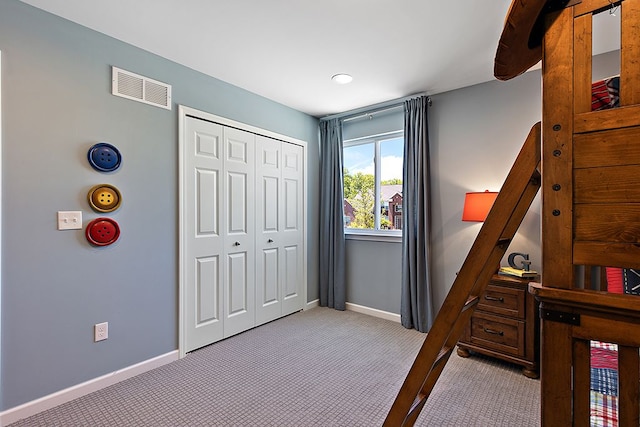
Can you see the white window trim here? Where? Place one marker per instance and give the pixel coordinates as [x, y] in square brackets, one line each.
[371, 234]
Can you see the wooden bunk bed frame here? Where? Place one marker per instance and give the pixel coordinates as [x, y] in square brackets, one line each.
[590, 201]
[588, 166]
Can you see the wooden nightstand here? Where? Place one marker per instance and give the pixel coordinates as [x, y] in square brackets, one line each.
[505, 325]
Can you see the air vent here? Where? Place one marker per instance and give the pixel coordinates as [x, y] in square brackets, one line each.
[139, 88]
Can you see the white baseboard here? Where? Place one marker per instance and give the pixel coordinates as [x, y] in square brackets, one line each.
[373, 312]
[361, 309]
[47, 402]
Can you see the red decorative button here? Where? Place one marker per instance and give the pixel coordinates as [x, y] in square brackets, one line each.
[102, 231]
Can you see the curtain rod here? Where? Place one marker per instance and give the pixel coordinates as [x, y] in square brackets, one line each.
[372, 109]
[371, 113]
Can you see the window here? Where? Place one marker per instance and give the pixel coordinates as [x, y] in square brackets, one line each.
[373, 184]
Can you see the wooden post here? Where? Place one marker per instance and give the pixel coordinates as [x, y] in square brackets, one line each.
[557, 152]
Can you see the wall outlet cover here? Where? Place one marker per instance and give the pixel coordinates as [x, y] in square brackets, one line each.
[100, 331]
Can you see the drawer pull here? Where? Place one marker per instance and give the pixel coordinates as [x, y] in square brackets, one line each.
[493, 332]
[490, 298]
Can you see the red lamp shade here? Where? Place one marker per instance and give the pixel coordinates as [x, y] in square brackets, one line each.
[477, 205]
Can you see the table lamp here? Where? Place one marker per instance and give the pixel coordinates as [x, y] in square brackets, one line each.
[477, 205]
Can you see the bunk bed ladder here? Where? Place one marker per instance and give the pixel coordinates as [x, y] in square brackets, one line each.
[511, 205]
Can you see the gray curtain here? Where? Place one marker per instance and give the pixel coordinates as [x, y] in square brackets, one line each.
[332, 245]
[416, 310]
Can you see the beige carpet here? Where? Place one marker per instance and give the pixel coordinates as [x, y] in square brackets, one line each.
[316, 368]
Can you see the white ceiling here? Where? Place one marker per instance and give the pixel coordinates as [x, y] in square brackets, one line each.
[287, 50]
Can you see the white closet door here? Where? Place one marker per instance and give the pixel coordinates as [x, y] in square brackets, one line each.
[239, 250]
[292, 226]
[242, 231]
[268, 226]
[203, 241]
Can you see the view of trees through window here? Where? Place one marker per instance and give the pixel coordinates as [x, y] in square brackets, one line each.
[373, 183]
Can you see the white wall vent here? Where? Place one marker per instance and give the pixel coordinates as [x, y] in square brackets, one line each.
[139, 88]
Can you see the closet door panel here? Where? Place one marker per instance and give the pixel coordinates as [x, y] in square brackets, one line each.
[270, 276]
[292, 272]
[269, 204]
[237, 206]
[237, 269]
[269, 211]
[239, 295]
[292, 235]
[203, 248]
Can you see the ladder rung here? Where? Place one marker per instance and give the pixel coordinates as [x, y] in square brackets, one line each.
[471, 302]
[417, 405]
[443, 355]
[503, 241]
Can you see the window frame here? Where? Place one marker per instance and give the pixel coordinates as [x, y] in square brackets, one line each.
[371, 233]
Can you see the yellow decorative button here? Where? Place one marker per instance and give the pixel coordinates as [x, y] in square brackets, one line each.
[104, 198]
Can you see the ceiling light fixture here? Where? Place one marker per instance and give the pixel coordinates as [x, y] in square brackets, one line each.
[342, 78]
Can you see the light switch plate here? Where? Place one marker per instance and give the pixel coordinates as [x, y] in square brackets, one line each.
[69, 220]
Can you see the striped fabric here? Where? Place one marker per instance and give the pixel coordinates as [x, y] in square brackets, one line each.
[604, 384]
[604, 381]
[604, 410]
[604, 355]
[605, 94]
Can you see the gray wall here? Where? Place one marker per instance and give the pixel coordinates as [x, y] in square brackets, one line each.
[56, 103]
[373, 274]
[475, 135]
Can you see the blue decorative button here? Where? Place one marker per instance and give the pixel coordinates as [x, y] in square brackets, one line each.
[104, 157]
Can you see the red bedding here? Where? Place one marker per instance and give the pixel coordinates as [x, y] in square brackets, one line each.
[605, 94]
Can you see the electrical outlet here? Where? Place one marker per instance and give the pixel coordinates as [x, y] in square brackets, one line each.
[69, 220]
[100, 331]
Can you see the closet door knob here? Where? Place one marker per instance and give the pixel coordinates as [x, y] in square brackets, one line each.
[236, 244]
[270, 241]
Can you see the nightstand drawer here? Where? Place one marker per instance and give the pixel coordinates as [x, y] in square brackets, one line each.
[505, 324]
[498, 333]
[503, 300]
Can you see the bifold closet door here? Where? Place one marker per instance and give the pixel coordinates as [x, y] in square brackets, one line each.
[279, 230]
[239, 231]
[203, 242]
[219, 224]
[292, 239]
[269, 209]
[242, 230]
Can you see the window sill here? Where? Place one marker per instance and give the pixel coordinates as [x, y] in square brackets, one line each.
[374, 236]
